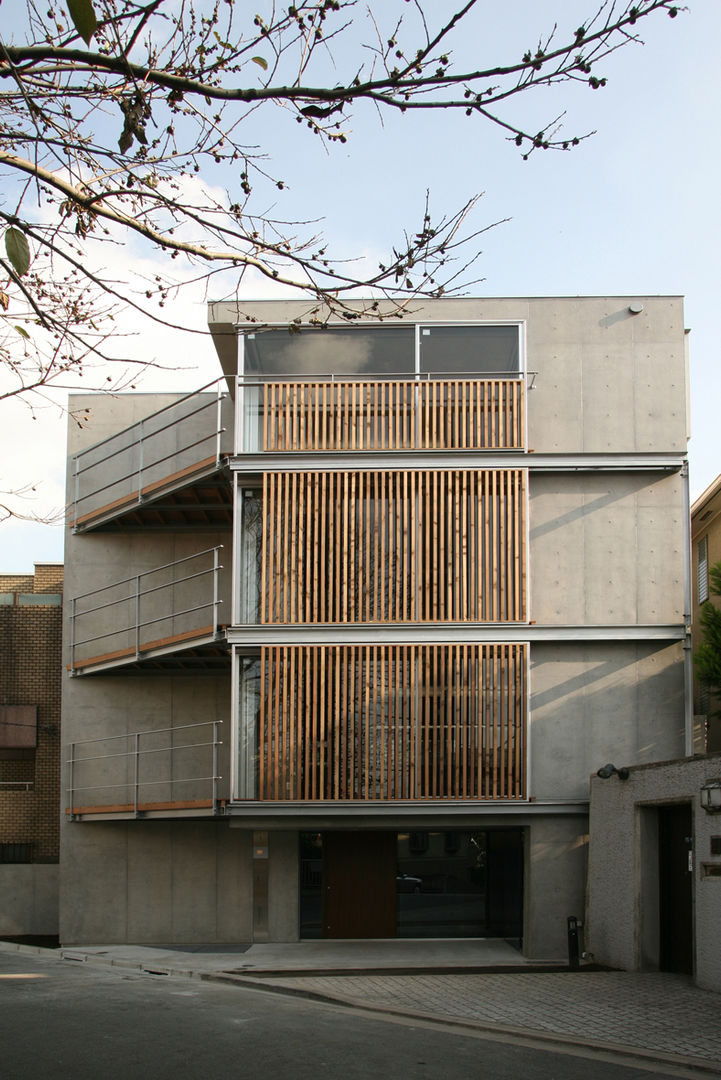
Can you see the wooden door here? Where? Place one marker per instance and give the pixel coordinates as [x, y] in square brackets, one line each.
[359, 885]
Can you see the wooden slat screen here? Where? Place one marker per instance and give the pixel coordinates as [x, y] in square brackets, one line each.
[442, 414]
[394, 546]
[424, 722]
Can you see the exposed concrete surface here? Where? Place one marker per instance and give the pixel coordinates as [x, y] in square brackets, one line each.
[29, 898]
[623, 922]
[654, 1017]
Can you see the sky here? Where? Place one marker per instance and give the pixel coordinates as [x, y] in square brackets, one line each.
[632, 211]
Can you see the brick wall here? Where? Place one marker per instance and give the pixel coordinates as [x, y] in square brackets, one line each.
[30, 674]
[12, 583]
[48, 578]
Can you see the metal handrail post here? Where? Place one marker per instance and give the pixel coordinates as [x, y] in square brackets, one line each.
[137, 771]
[72, 634]
[76, 477]
[218, 422]
[216, 602]
[71, 785]
[140, 463]
[137, 616]
[215, 765]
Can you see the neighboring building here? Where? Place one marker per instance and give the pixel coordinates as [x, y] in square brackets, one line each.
[706, 544]
[30, 687]
[451, 586]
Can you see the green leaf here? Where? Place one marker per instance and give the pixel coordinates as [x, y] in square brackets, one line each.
[23, 332]
[260, 62]
[83, 15]
[18, 251]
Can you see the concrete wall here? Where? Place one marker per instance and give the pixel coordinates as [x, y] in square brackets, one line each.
[554, 884]
[607, 380]
[28, 899]
[156, 881]
[622, 899]
[606, 547]
[601, 701]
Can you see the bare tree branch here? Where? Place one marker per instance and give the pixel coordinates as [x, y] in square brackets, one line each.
[128, 126]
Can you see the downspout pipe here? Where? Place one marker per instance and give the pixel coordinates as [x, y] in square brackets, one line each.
[687, 616]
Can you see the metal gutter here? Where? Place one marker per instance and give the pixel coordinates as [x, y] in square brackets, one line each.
[437, 633]
[344, 461]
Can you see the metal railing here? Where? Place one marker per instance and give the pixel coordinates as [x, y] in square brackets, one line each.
[138, 771]
[445, 411]
[17, 785]
[117, 627]
[128, 467]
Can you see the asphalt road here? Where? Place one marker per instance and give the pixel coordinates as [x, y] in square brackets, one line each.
[61, 1019]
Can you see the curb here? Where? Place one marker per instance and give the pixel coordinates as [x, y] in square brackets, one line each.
[621, 1053]
[259, 981]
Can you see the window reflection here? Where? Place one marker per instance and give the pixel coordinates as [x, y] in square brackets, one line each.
[372, 350]
[469, 350]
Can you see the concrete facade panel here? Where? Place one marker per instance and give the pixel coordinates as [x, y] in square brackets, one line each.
[555, 877]
[605, 548]
[29, 899]
[283, 886]
[594, 703]
[234, 880]
[93, 884]
[150, 882]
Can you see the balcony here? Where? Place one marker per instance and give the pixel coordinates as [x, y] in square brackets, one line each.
[173, 771]
[166, 618]
[163, 471]
[413, 413]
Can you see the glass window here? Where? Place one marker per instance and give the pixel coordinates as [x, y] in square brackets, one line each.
[372, 350]
[248, 714]
[469, 350]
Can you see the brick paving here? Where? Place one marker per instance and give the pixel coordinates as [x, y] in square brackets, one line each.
[660, 1013]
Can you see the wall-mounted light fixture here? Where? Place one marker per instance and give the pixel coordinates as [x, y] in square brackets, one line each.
[609, 770]
[711, 796]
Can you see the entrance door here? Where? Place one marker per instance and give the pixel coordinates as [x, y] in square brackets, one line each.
[504, 904]
[359, 885]
[675, 888]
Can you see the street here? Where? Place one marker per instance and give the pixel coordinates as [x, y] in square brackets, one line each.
[62, 1019]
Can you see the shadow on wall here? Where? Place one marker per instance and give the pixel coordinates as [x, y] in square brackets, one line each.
[593, 704]
[579, 486]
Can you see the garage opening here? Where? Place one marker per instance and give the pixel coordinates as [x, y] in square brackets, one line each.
[424, 884]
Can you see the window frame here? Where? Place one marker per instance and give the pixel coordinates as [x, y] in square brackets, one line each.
[520, 324]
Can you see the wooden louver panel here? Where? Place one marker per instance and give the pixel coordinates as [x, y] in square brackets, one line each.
[442, 414]
[394, 546]
[396, 722]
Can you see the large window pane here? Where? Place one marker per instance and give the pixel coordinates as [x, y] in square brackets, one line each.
[469, 350]
[372, 350]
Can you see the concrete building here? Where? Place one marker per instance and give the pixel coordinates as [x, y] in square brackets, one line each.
[346, 640]
[654, 880]
[30, 686]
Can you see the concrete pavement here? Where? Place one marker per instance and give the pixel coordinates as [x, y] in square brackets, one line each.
[483, 985]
